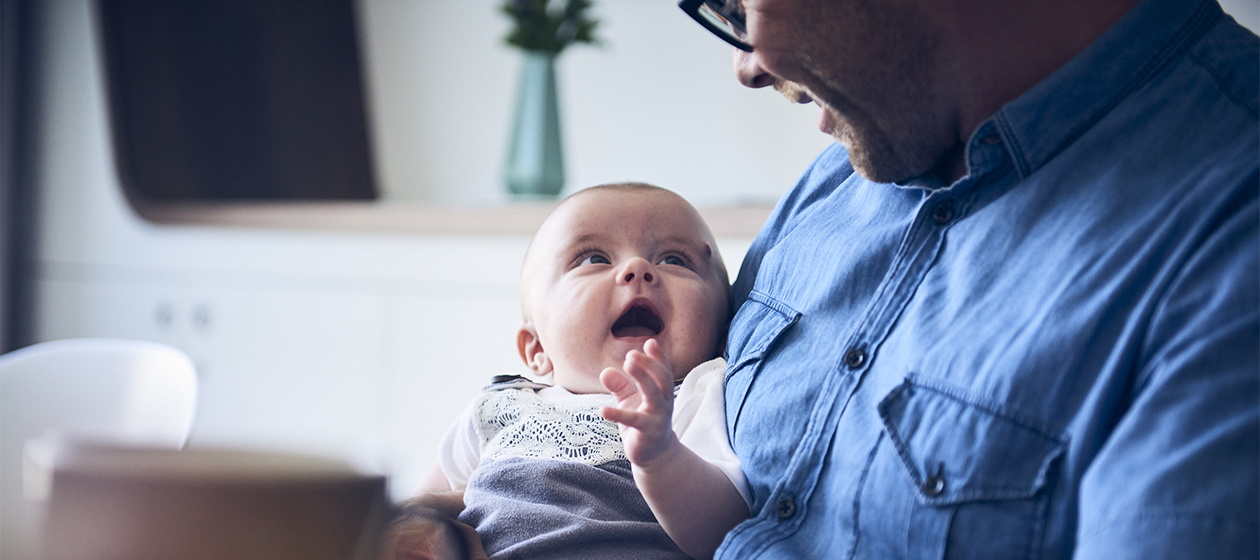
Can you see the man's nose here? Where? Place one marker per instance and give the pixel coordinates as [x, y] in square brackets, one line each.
[749, 71]
[637, 268]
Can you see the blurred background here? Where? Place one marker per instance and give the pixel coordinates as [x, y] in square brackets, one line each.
[358, 330]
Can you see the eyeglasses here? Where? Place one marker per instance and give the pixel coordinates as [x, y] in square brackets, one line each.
[722, 17]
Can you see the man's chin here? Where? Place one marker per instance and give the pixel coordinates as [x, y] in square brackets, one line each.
[874, 160]
[859, 151]
[879, 165]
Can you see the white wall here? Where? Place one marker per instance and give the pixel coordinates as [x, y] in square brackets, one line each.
[1247, 12]
[657, 102]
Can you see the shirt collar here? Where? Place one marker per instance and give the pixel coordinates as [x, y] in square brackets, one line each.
[1045, 119]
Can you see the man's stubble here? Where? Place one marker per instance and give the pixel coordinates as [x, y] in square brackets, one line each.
[879, 89]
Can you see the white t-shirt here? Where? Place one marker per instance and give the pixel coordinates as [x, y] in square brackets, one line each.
[699, 420]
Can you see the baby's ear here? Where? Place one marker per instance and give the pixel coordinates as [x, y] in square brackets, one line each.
[531, 350]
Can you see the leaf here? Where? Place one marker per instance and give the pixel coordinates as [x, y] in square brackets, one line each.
[539, 29]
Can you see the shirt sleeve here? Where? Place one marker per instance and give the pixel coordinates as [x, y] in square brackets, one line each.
[700, 421]
[460, 450]
[1177, 477]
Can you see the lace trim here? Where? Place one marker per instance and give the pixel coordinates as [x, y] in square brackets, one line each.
[519, 423]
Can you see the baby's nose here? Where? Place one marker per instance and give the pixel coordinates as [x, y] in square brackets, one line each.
[637, 268]
[646, 276]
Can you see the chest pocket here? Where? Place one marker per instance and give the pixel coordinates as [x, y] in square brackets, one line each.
[955, 451]
[977, 470]
[756, 327]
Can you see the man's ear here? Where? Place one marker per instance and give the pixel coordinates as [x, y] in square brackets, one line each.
[531, 350]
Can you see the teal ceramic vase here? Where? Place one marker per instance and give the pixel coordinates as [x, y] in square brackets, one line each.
[535, 164]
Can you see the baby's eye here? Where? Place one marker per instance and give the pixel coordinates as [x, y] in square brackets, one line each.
[674, 260]
[595, 259]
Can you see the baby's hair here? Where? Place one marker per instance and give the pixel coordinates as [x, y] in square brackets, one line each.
[633, 186]
[628, 186]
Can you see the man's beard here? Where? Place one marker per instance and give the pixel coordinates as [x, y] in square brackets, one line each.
[880, 98]
[875, 154]
[886, 157]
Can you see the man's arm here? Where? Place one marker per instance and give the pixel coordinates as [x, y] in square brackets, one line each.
[1179, 475]
[693, 499]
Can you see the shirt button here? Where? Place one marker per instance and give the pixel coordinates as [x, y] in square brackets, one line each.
[785, 508]
[934, 486]
[991, 140]
[854, 358]
[943, 212]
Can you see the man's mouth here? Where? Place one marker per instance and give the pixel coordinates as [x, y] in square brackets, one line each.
[638, 321]
[794, 92]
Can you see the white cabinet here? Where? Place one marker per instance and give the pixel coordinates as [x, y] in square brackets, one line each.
[365, 368]
[290, 369]
[443, 348]
[280, 369]
[69, 308]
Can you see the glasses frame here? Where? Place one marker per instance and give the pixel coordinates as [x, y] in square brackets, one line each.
[692, 7]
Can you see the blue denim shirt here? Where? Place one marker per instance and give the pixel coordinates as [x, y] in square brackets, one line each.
[1055, 357]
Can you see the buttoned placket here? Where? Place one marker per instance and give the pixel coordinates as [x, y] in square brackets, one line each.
[939, 209]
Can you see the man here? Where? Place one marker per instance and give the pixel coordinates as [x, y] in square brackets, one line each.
[1015, 312]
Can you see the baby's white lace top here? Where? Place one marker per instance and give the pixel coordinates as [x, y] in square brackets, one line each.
[521, 423]
[552, 423]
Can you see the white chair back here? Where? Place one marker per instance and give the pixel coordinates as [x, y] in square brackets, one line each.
[112, 391]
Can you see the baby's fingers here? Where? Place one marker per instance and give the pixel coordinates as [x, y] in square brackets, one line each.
[662, 371]
[653, 377]
[617, 384]
[627, 418]
[648, 386]
[653, 349]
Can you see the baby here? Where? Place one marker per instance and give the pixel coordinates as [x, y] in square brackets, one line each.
[623, 293]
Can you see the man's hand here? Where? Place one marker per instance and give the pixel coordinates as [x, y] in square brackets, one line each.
[423, 529]
[644, 390]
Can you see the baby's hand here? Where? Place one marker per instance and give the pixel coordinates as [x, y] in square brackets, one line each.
[645, 403]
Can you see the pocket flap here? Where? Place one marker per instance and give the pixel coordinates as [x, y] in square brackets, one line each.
[756, 326]
[956, 451]
[760, 321]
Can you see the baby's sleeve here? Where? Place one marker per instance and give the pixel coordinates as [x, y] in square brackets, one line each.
[700, 421]
[460, 450]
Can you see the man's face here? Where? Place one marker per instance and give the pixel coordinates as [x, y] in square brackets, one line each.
[611, 269]
[870, 65]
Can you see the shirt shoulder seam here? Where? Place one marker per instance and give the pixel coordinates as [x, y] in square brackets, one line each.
[1221, 83]
[1207, 14]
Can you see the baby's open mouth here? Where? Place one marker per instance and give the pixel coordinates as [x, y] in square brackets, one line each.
[639, 320]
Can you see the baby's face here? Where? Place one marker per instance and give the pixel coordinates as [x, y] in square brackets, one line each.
[611, 269]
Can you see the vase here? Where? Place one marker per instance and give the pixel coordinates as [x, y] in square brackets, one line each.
[535, 165]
